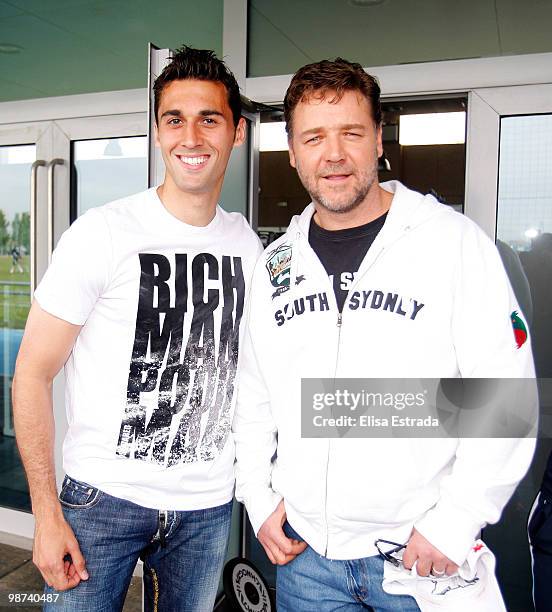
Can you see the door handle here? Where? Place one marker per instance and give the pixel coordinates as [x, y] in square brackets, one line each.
[51, 166]
[34, 170]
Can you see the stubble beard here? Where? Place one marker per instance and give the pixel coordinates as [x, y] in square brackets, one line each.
[340, 203]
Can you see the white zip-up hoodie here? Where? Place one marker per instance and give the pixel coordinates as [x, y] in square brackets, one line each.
[431, 299]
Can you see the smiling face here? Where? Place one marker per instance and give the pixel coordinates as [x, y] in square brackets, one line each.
[335, 148]
[196, 134]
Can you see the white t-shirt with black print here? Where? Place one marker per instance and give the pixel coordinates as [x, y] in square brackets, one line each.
[150, 381]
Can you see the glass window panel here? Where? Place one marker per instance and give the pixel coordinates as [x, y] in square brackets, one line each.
[525, 180]
[524, 221]
[15, 171]
[524, 240]
[107, 169]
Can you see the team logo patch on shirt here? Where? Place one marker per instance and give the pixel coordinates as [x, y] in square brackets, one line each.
[520, 331]
[278, 264]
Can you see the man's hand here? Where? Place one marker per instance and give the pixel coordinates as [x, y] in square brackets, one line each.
[279, 548]
[429, 559]
[54, 540]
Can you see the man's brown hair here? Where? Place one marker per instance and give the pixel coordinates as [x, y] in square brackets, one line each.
[333, 77]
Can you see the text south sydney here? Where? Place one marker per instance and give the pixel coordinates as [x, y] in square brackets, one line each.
[371, 299]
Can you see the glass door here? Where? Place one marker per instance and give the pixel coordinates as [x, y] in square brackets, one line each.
[94, 160]
[509, 187]
[524, 219]
[50, 172]
[24, 150]
[16, 168]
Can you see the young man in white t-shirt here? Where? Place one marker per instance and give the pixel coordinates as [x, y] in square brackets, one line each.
[143, 304]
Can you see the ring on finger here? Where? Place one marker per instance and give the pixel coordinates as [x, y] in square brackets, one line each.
[437, 573]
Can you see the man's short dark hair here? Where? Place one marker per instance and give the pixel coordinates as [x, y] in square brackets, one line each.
[203, 65]
[333, 77]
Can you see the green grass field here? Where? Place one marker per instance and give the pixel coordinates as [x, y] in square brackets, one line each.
[15, 298]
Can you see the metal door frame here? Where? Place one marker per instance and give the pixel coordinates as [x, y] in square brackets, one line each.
[486, 107]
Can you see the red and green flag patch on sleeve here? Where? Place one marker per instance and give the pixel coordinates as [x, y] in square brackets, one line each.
[520, 330]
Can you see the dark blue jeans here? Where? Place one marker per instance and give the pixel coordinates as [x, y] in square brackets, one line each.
[181, 570]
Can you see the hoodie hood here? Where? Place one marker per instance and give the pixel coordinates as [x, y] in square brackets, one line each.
[408, 210]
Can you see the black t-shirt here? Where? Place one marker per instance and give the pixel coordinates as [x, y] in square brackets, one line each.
[342, 251]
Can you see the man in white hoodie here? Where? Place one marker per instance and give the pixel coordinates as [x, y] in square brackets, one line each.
[371, 281]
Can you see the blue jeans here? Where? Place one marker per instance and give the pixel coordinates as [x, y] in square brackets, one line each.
[313, 583]
[182, 565]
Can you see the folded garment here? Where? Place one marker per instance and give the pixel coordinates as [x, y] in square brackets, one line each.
[474, 587]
